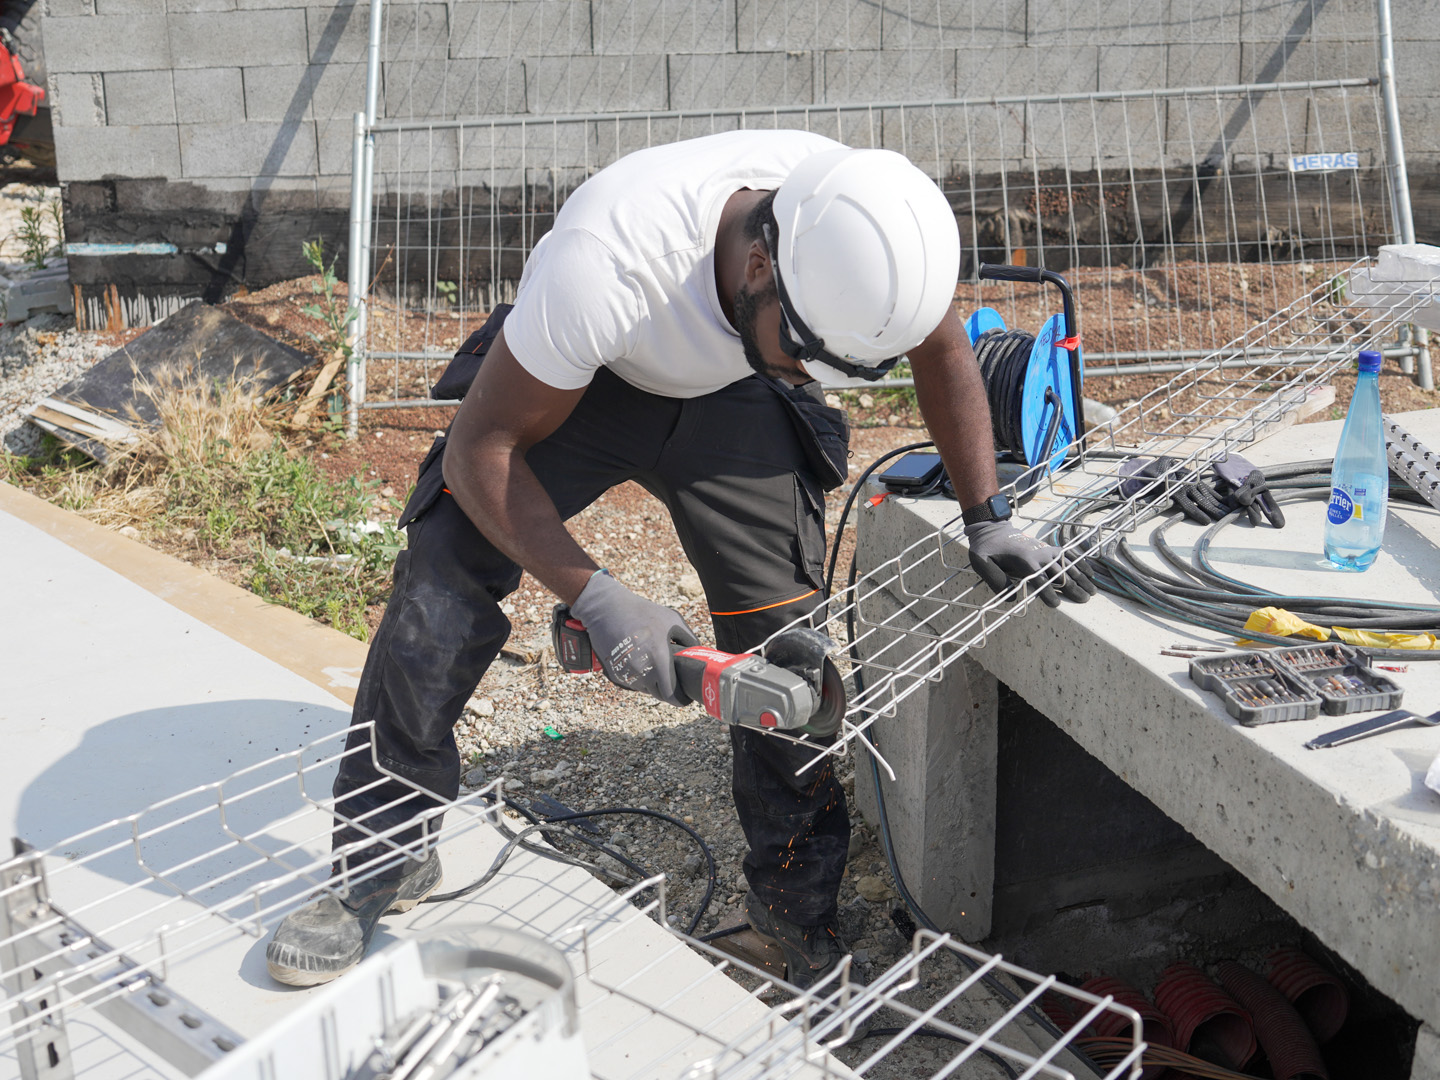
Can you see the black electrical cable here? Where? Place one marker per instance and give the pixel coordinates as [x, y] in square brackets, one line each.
[1205, 597]
[550, 820]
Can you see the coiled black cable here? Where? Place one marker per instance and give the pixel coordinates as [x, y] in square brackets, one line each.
[1004, 356]
[1199, 594]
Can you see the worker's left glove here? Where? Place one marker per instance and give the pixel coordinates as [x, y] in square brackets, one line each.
[1234, 484]
[631, 636]
[1002, 555]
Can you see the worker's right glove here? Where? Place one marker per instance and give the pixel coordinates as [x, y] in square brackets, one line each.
[1234, 484]
[631, 637]
[1001, 554]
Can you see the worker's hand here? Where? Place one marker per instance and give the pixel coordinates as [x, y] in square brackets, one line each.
[1002, 555]
[631, 636]
[1234, 484]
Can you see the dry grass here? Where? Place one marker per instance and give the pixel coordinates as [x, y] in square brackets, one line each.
[217, 482]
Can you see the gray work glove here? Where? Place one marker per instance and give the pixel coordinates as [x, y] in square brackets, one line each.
[1002, 555]
[1234, 484]
[631, 637]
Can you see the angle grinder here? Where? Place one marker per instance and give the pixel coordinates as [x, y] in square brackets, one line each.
[791, 686]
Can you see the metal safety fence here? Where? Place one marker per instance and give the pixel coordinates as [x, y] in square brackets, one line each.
[1181, 214]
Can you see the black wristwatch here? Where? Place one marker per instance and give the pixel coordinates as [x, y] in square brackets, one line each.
[995, 508]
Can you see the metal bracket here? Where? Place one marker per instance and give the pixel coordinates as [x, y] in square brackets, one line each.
[49, 960]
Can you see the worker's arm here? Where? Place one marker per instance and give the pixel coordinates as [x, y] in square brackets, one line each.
[505, 412]
[952, 400]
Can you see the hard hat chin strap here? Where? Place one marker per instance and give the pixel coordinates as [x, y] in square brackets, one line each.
[811, 347]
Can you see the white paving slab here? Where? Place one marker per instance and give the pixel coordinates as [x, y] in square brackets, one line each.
[111, 699]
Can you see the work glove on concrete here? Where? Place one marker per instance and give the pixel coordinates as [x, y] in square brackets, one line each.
[1233, 484]
[1002, 555]
[631, 637]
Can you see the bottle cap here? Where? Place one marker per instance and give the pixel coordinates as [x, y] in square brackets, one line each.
[1369, 362]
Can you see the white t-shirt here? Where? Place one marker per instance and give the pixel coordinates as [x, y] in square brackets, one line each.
[626, 278]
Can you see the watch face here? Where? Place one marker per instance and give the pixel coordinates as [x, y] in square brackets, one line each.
[999, 507]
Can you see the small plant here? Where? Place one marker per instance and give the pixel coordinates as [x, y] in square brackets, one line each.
[334, 313]
[449, 291]
[34, 236]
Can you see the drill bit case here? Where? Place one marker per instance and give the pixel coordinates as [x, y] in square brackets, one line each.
[1340, 677]
[1255, 689]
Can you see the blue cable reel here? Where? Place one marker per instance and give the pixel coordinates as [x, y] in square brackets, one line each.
[1034, 384]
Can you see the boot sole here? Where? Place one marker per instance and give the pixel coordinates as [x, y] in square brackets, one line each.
[289, 970]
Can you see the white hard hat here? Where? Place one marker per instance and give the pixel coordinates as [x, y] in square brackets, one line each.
[866, 261]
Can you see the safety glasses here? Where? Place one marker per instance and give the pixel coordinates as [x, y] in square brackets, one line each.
[810, 347]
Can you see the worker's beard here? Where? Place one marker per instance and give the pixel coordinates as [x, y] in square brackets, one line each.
[747, 305]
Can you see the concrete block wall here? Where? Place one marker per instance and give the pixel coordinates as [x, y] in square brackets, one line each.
[245, 106]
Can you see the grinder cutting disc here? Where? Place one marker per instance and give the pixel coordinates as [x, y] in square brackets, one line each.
[806, 652]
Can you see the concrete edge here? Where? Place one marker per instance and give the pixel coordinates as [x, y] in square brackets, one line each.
[322, 655]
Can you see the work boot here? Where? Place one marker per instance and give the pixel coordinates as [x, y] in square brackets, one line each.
[811, 952]
[327, 938]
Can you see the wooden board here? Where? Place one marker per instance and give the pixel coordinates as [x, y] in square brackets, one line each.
[199, 343]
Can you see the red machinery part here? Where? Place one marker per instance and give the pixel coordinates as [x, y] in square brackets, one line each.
[1318, 996]
[1209, 1023]
[1286, 1040]
[1157, 1027]
[16, 95]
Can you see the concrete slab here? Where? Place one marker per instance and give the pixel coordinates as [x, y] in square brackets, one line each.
[1346, 841]
[113, 698]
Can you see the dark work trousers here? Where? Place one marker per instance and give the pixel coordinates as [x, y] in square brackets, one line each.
[730, 468]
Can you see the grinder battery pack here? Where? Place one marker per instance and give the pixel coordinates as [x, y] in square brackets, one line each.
[795, 687]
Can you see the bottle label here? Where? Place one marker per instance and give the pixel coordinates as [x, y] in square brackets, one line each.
[1341, 507]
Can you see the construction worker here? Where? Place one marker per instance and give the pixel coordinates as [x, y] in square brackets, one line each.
[674, 328]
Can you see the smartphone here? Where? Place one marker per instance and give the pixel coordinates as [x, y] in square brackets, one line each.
[913, 471]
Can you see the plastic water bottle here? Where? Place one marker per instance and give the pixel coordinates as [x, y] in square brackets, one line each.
[1359, 481]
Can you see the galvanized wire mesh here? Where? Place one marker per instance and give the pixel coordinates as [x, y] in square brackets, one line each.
[95, 923]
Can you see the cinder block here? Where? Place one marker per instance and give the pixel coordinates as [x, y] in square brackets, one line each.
[1203, 22]
[737, 81]
[856, 75]
[939, 24]
[1417, 68]
[238, 38]
[311, 92]
[78, 99]
[652, 26]
[1093, 22]
[521, 28]
[62, 9]
[92, 43]
[209, 96]
[763, 25]
[98, 153]
[188, 7]
[482, 87]
[1026, 70]
[139, 97]
[977, 138]
[1315, 20]
[1420, 124]
[253, 149]
[1131, 67]
[340, 32]
[1299, 61]
[1201, 64]
[1130, 131]
[594, 84]
[1411, 20]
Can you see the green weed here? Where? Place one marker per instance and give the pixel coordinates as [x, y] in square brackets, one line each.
[334, 313]
[217, 479]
